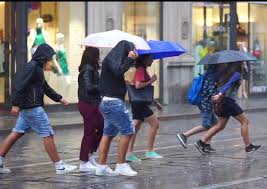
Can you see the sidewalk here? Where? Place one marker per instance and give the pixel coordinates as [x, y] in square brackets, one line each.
[170, 112]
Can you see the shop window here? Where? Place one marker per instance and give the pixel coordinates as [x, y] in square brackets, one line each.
[62, 26]
[258, 40]
[210, 26]
[143, 19]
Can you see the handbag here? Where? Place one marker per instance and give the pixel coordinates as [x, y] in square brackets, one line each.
[144, 95]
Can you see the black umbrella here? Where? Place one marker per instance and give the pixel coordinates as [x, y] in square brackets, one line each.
[226, 56]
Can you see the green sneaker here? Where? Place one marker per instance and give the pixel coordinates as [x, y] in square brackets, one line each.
[132, 158]
[153, 155]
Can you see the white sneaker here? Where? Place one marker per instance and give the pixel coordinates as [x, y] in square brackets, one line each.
[93, 161]
[125, 169]
[87, 167]
[102, 170]
[65, 168]
[4, 170]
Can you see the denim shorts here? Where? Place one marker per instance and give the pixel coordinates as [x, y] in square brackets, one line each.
[208, 119]
[116, 118]
[35, 119]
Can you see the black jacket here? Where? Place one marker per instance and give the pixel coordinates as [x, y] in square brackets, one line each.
[88, 81]
[31, 84]
[115, 64]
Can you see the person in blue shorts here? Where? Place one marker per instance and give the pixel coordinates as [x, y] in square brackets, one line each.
[27, 101]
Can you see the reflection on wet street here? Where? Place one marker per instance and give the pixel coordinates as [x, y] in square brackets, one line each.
[229, 167]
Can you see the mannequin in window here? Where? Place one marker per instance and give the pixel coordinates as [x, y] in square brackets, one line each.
[61, 58]
[61, 53]
[38, 36]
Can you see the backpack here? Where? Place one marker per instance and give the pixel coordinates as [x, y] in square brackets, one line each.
[193, 95]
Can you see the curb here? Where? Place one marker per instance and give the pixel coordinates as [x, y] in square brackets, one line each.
[160, 117]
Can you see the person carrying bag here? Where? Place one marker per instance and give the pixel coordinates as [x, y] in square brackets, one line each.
[141, 95]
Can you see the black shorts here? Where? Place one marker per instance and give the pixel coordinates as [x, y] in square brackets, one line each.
[141, 111]
[227, 108]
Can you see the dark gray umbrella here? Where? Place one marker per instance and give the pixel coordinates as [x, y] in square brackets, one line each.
[226, 56]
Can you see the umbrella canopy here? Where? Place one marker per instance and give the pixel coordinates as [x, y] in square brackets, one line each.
[163, 49]
[110, 39]
[226, 56]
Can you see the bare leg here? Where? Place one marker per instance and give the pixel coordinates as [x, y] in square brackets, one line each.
[154, 126]
[195, 130]
[243, 119]
[220, 125]
[103, 149]
[123, 146]
[9, 142]
[51, 149]
[137, 125]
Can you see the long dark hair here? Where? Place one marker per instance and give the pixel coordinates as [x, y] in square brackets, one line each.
[141, 60]
[90, 56]
[231, 69]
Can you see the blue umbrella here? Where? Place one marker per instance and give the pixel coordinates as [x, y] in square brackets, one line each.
[162, 49]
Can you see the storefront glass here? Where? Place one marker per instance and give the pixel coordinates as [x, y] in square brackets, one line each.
[61, 25]
[143, 19]
[210, 28]
[258, 41]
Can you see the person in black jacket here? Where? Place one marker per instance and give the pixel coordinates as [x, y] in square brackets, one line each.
[116, 116]
[89, 100]
[27, 101]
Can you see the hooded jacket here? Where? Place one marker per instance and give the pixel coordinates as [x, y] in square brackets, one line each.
[31, 84]
[115, 64]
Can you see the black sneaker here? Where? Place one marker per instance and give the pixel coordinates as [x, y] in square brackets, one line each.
[201, 147]
[182, 139]
[209, 149]
[251, 148]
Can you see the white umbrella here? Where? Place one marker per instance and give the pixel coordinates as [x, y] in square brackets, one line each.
[110, 39]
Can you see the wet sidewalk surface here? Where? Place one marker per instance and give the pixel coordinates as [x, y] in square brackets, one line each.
[229, 168]
[171, 111]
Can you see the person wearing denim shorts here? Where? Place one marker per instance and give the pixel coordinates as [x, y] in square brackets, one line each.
[35, 119]
[116, 116]
[27, 101]
[226, 106]
[208, 118]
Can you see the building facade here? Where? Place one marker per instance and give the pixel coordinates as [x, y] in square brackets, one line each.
[199, 27]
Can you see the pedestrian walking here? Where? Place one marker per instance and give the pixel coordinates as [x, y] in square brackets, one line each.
[141, 110]
[89, 100]
[116, 115]
[208, 117]
[27, 101]
[226, 107]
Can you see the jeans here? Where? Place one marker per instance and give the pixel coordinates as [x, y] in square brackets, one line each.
[116, 118]
[35, 119]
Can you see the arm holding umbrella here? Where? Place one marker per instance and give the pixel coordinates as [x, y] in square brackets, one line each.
[235, 77]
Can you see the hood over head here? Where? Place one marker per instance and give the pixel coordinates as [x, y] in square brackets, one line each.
[118, 54]
[43, 53]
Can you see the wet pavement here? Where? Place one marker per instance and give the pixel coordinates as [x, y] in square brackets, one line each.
[229, 167]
